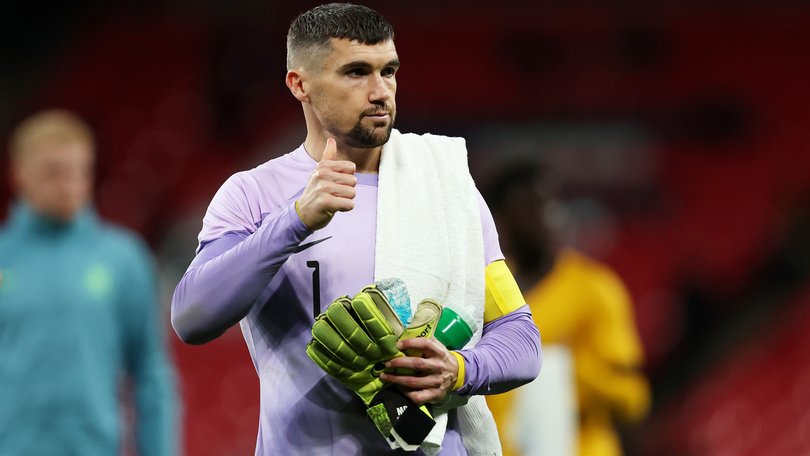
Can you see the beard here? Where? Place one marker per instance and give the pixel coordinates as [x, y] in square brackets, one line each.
[365, 133]
[366, 138]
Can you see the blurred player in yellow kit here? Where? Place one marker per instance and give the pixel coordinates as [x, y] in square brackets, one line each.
[577, 303]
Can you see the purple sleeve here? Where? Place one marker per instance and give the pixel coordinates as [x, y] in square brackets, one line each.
[492, 248]
[507, 356]
[229, 273]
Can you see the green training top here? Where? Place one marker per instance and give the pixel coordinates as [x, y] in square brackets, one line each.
[78, 315]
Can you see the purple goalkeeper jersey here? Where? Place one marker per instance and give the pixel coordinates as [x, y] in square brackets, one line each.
[259, 265]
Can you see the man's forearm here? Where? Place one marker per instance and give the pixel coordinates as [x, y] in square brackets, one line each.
[229, 274]
[507, 356]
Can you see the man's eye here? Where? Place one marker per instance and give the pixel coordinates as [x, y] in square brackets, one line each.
[356, 72]
[389, 71]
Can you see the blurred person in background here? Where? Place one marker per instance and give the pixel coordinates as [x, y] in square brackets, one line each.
[325, 220]
[79, 319]
[583, 309]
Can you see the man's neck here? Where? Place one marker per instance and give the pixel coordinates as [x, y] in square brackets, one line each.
[532, 265]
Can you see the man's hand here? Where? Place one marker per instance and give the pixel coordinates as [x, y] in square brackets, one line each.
[435, 374]
[330, 189]
[351, 342]
[352, 338]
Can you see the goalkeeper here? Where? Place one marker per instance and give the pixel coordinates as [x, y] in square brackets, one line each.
[282, 240]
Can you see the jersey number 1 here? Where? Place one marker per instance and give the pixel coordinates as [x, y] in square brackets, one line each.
[316, 287]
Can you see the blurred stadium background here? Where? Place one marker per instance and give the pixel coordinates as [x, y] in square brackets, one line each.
[679, 131]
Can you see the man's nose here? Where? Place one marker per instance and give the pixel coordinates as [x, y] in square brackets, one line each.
[378, 89]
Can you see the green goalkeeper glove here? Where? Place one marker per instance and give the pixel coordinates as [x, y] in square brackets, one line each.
[353, 339]
[351, 342]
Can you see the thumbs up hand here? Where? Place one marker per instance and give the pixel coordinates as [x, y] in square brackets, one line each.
[330, 189]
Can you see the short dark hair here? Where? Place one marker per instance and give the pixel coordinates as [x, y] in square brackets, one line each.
[314, 28]
[513, 175]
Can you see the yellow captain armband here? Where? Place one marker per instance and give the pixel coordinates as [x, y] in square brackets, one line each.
[460, 377]
[502, 293]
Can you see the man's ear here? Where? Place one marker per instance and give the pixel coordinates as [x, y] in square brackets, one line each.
[296, 85]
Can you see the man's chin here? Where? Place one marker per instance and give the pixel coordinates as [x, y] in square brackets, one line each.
[382, 139]
[370, 138]
[59, 215]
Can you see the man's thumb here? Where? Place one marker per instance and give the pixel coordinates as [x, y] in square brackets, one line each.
[330, 151]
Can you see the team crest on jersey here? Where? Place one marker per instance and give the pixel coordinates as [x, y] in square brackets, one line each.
[6, 281]
[98, 280]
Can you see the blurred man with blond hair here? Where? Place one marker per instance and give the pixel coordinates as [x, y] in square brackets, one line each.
[78, 310]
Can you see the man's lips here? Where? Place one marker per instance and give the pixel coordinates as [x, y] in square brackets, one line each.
[379, 118]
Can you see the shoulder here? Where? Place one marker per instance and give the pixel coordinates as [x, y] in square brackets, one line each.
[586, 264]
[245, 198]
[273, 178]
[600, 278]
[291, 166]
[241, 192]
[238, 183]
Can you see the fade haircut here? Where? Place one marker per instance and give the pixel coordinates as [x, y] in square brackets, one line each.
[311, 31]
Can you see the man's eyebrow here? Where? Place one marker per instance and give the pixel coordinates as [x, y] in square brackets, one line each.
[354, 64]
[364, 64]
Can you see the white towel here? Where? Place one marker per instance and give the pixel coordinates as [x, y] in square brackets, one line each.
[429, 235]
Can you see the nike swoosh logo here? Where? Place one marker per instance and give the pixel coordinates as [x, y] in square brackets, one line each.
[303, 247]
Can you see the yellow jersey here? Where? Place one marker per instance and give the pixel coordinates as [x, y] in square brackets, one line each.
[584, 306]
